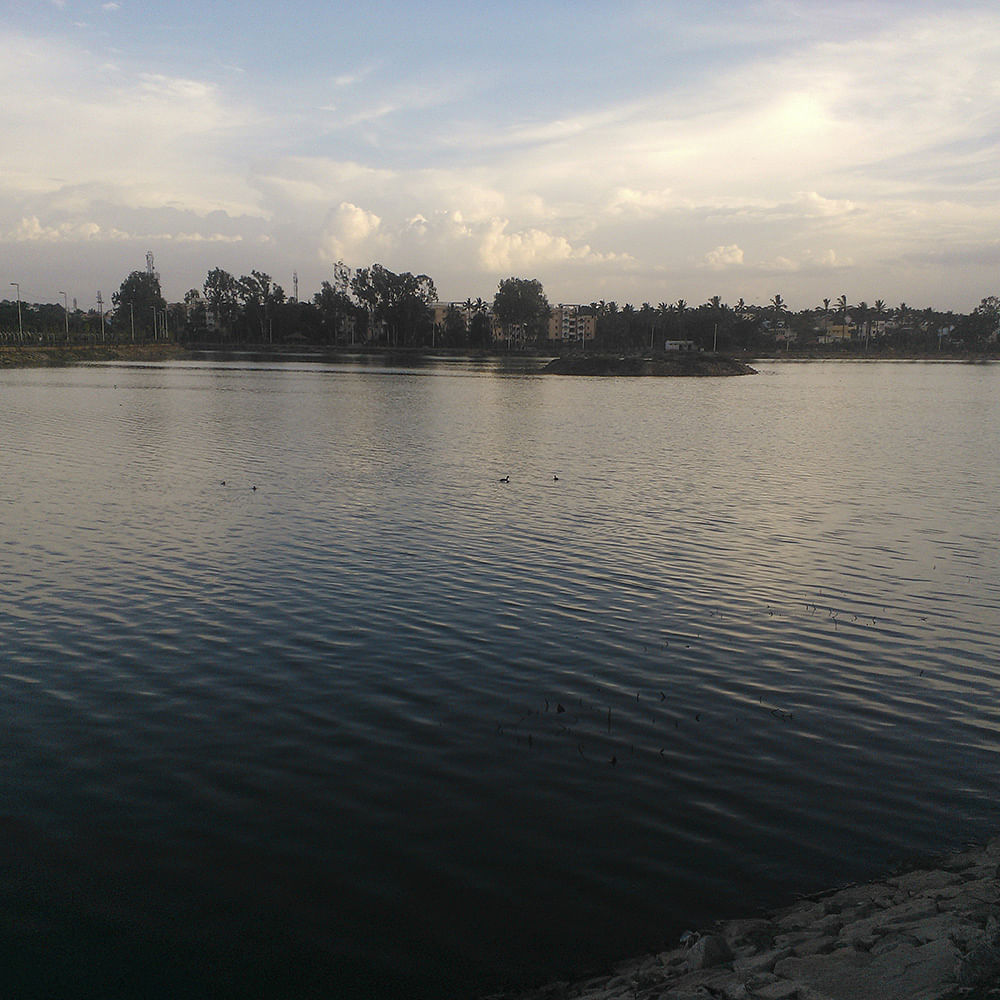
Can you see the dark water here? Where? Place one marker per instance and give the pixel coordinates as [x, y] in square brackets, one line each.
[385, 726]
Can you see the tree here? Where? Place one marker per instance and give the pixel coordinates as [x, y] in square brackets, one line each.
[842, 309]
[982, 325]
[861, 309]
[221, 301]
[138, 301]
[259, 297]
[521, 309]
[194, 320]
[398, 305]
[480, 333]
[455, 332]
[336, 312]
[879, 310]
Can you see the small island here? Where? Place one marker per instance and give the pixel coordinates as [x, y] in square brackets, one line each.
[683, 363]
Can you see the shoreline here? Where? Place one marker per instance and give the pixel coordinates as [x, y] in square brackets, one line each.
[694, 364]
[930, 932]
[25, 356]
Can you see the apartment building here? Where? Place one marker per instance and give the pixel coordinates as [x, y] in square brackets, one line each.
[569, 325]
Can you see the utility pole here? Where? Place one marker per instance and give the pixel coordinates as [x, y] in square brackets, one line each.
[20, 331]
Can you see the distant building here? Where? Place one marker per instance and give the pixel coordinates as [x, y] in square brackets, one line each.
[568, 324]
[440, 309]
[834, 333]
[679, 345]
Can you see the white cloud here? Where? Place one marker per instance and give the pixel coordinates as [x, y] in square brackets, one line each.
[350, 233]
[725, 257]
[30, 230]
[826, 260]
[502, 251]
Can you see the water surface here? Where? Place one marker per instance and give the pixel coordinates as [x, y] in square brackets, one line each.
[385, 725]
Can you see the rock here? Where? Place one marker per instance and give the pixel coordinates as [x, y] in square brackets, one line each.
[981, 966]
[760, 962]
[925, 883]
[708, 952]
[755, 934]
[905, 973]
[804, 915]
[781, 990]
[891, 941]
[825, 944]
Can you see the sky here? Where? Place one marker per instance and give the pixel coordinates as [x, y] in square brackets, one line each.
[631, 151]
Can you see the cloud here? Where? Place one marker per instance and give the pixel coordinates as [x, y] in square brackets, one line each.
[149, 138]
[725, 257]
[30, 230]
[501, 251]
[350, 233]
[827, 260]
[642, 204]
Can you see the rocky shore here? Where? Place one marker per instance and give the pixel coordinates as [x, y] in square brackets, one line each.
[926, 934]
[686, 363]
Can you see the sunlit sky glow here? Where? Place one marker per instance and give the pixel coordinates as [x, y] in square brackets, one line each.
[634, 151]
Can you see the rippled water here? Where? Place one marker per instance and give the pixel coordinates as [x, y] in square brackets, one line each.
[385, 725]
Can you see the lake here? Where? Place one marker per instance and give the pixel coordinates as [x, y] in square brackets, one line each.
[301, 699]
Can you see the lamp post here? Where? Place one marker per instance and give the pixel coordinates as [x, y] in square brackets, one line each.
[66, 313]
[20, 332]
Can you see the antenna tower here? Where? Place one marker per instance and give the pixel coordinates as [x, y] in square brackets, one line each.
[295, 286]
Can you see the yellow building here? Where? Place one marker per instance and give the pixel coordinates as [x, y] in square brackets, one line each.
[567, 324]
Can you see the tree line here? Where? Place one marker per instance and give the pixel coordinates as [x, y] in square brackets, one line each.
[374, 306]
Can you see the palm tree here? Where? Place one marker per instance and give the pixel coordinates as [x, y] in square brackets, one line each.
[826, 318]
[779, 307]
[902, 318]
[842, 309]
[862, 310]
[879, 308]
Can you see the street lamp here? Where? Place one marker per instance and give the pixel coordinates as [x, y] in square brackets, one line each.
[20, 332]
[66, 313]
